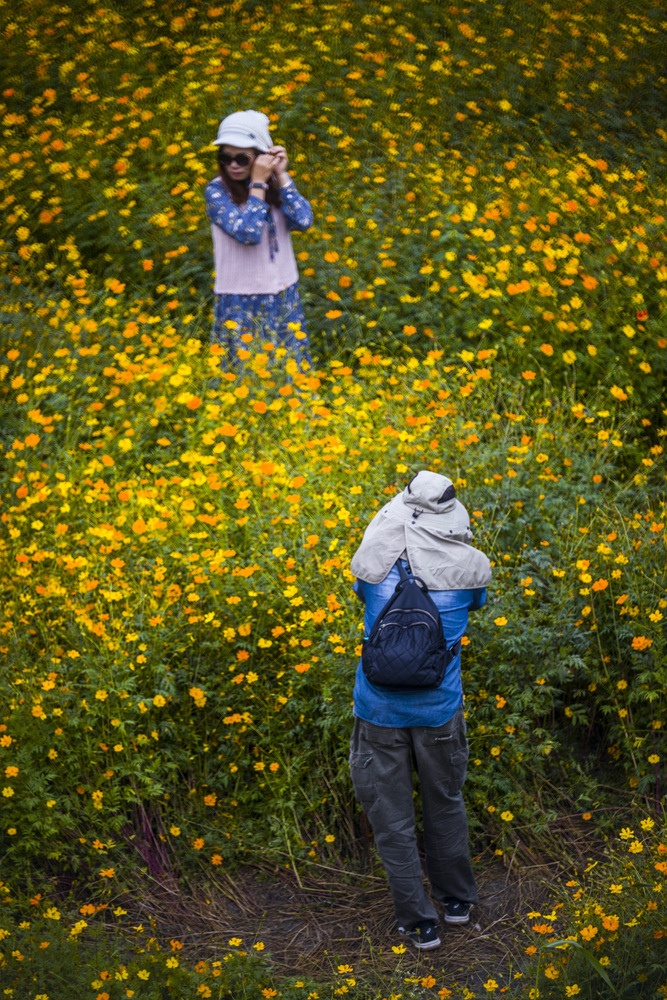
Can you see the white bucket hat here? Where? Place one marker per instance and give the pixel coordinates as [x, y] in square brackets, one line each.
[245, 129]
[427, 522]
[433, 496]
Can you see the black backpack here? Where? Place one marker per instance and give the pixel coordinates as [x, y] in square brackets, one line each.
[406, 648]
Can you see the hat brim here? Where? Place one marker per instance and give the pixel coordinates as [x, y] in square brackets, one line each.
[238, 139]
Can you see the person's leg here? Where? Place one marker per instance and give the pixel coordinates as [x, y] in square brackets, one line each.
[219, 331]
[441, 755]
[381, 769]
[290, 326]
[232, 317]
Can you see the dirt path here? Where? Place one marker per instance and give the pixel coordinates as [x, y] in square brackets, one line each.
[328, 917]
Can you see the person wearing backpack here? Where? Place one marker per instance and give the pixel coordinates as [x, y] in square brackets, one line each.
[416, 563]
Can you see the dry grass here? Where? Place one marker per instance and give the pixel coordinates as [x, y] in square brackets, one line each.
[313, 922]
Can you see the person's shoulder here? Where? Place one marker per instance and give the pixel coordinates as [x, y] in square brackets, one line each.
[215, 187]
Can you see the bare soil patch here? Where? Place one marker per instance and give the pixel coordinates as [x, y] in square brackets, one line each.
[311, 923]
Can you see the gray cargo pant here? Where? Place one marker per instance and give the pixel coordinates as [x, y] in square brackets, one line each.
[381, 761]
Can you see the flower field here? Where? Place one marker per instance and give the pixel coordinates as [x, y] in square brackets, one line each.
[485, 292]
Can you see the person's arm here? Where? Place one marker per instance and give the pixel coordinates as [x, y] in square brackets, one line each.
[297, 211]
[243, 223]
[295, 208]
[478, 599]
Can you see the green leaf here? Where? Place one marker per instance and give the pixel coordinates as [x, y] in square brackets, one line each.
[588, 955]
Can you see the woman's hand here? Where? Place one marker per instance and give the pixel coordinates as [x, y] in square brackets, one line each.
[280, 164]
[263, 166]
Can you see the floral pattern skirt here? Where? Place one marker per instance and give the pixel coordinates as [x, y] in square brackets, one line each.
[278, 319]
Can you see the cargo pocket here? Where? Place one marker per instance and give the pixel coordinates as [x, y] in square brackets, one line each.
[363, 778]
[379, 736]
[458, 765]
[442, 739]
[452, 732]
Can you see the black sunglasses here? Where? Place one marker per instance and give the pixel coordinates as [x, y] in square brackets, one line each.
[243, 159]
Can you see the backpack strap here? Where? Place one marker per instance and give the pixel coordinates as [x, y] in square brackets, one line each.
[453, 651]
[401, 572]
[409, 577]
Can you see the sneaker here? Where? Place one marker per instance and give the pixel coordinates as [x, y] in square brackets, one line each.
[423, 936]
[457, 912]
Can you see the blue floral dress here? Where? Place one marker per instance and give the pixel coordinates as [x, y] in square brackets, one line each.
[277, 317]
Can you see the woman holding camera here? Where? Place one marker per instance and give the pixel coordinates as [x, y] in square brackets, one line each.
[252, 206]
